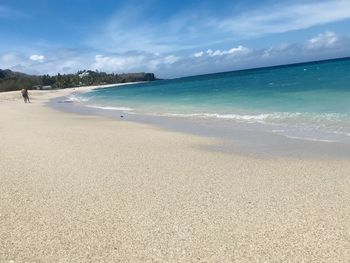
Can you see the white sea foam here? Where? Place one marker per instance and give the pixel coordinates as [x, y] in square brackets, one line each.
[328, 127]
[76, 98]
[255, 118]
[309, 139]
[109, 108]
[279, 117]
[258, 118]
[324, 127]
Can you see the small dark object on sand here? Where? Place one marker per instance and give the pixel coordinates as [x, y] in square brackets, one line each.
[121, 116]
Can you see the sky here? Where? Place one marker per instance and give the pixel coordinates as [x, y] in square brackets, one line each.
[169, 38]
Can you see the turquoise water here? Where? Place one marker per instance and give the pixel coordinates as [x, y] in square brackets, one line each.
[307, 100]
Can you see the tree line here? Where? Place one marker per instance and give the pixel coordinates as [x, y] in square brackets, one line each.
[10, 80]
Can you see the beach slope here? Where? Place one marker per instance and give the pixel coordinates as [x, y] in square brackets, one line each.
[90, 189]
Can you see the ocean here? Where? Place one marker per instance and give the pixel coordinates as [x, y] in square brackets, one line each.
[308, 101]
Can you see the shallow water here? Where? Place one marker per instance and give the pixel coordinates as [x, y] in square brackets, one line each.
[309, 101]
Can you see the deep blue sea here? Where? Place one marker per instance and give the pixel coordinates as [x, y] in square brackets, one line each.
[309, 101]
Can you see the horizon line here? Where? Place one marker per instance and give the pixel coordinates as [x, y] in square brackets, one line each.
[265, 67]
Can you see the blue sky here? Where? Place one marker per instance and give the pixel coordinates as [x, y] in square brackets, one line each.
[169, 38]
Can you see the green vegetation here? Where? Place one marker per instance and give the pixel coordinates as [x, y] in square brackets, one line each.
[10, 80]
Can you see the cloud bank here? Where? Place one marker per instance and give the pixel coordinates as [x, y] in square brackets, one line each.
[170, 65]
[190, 40]
[193, 29]
[286, 17]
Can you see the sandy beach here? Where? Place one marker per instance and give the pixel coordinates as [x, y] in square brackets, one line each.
[77, 188]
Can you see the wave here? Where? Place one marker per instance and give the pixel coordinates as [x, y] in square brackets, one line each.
[271, 117]
[109, 108]
[259, 117]
[326, 127]
[309, 139]
[301, 118]
[323, 127]
[76, 98]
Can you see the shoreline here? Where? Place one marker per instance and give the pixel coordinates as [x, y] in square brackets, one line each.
[86, 188]
[53, 93]
[232, 137]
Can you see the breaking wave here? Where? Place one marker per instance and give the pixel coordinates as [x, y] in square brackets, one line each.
[297, 117]
[109, 108]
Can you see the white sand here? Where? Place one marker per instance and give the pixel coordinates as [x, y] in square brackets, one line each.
[90, 189]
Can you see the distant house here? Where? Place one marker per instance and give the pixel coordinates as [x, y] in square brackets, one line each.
[84, 74]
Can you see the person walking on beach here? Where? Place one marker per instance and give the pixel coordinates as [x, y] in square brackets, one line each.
[25, 95]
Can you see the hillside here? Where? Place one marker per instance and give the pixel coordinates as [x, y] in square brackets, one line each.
[10, 80]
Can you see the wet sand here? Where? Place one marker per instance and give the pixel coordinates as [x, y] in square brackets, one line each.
[80, 188]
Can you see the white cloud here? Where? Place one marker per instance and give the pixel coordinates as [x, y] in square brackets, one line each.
[195, 29]
[240, 50]
[70, 61]
[198, 54]
[325, 45]
[117, 62]
[13, 60]
[209, 52]
[58, 60]
[327, 39]
[123, 32]
[285, 17]
[38, 58]
[133, 62]
[273, 51]
[322, 46]
[236, 51]
[217, 53]
[170, 59]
